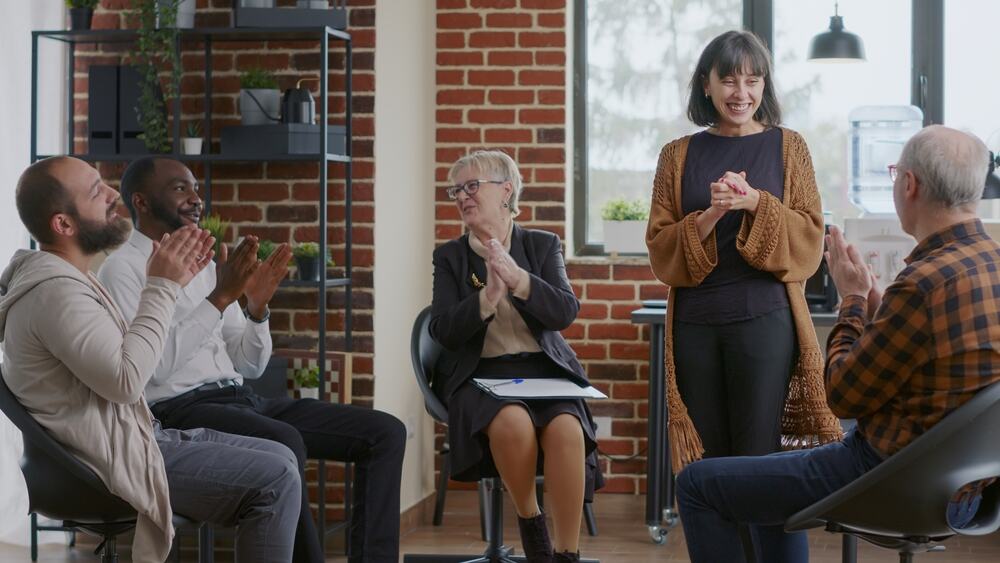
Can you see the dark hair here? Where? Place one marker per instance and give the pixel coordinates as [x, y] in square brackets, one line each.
[732, 53]
[134, 180]
[39, 196]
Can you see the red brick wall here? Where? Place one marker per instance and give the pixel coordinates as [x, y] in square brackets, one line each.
[502, 83]
[277, 200]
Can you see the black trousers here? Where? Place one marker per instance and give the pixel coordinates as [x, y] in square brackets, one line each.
[372, 440]
[733, 379]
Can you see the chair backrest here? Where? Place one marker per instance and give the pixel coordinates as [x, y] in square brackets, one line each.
[273, 383]
[59, 485]
[424, 353]
[907, 495]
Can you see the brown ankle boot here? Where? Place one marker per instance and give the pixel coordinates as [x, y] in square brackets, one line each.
[535, 539]
[566, 557]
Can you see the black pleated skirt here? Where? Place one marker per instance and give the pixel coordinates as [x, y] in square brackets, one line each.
[470, 411]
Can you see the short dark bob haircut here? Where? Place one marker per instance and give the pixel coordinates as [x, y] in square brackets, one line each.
[731, 53]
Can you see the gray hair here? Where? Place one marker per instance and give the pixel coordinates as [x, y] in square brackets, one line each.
[496, 164]
[952, 165]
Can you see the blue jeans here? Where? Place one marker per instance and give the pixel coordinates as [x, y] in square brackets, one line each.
[716, 495]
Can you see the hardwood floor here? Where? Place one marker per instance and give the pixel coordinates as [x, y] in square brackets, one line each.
[622, 538]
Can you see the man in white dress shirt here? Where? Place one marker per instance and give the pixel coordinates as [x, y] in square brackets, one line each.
[213, 346]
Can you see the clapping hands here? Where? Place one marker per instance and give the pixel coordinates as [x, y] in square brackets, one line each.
[503, 273]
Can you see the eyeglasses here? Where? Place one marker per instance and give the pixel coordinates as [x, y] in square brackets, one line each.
[893, 172]
[470, 187]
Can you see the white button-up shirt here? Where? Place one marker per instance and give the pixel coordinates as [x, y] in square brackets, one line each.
[203, 346]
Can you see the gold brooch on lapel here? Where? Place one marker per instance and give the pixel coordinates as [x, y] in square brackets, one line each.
[476, 283]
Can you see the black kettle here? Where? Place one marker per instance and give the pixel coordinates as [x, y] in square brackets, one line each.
[297, 105]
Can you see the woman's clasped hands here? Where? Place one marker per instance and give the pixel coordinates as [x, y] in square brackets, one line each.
[732, 192]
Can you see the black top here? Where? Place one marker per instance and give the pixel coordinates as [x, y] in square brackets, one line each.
[734, 291]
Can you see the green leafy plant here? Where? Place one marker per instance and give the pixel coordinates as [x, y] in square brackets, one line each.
[258, 78]
[306, 377]
[193, 129]
[621, 209]
[82, 3]
[264, 249]
[156, 51]
[217, 226]
[303, 250]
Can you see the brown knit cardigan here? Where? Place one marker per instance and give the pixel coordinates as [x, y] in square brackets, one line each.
[785, 238]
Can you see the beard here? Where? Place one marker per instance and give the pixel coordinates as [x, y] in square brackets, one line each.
[166, 215]
[96, 237]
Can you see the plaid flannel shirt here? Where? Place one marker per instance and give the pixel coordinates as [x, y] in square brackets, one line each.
[932, 344]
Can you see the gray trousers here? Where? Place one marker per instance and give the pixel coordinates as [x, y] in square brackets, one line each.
[251, 484]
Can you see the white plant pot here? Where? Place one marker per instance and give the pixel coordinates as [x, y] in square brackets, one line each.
[256, 3]
[625, 237]
[309, 392]
[185, 15]
[191, 145]
[313, 4]
[251, 113]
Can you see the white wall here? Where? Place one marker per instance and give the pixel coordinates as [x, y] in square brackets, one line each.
[19, 19]
[404, 220]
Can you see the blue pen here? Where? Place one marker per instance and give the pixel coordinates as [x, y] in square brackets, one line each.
[515, 381]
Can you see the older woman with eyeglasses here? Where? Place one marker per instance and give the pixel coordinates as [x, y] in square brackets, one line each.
[501, 297]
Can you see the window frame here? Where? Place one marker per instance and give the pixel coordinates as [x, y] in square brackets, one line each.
[926, 87]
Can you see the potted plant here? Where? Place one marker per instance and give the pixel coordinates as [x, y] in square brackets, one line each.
[306, 255]
[260, 101]
[625, 225]
[264, 249]
[192, 141]
[81, 13]
[156, 51]
[217, 226]
[307, 382]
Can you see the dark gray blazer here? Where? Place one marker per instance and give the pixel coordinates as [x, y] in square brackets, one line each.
[455, 322]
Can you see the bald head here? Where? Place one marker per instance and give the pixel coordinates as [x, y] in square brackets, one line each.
[41, 193]
[951, 165]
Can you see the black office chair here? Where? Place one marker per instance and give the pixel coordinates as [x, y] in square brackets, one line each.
[424, 353]
[901, 503]
[62, 488]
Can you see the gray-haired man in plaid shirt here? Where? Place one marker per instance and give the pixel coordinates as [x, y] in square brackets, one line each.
[897, 362]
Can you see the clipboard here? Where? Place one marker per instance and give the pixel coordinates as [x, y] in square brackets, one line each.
[541, 388]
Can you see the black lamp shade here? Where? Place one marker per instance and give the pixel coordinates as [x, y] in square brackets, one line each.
[836, 44]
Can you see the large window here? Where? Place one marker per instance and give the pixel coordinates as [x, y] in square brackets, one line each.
[818, 97]
[635, 58]
[640, 56]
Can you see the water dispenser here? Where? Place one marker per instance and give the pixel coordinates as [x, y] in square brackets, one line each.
[876, 138]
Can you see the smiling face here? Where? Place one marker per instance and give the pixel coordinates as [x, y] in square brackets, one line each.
[171, 196]
[736, 98]
[484, 210]
[93, 215]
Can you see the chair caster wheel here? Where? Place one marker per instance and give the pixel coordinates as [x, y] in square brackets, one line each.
[658, 534]
[670, 517]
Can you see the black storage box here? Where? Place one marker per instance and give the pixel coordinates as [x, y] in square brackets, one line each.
[335, 18]
[280, 138]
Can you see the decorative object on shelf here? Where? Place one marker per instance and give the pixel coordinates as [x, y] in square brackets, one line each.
[307, 13]
[113, 125]
[307, 261]
[260, 141]
[259, 97]
[256, 3]
[297, 104]
[156, 50]
[836, 45]
[625, 225]
[185, 13]
[81, 13]
[216, 225]
[192, 141]
[264, 249]
[307, 382]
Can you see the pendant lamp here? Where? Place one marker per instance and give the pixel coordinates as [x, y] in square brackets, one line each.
[836, 45]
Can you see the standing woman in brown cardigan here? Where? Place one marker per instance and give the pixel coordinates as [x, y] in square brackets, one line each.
[735, 229]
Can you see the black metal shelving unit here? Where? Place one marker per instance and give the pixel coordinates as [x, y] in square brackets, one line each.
[206, 37]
